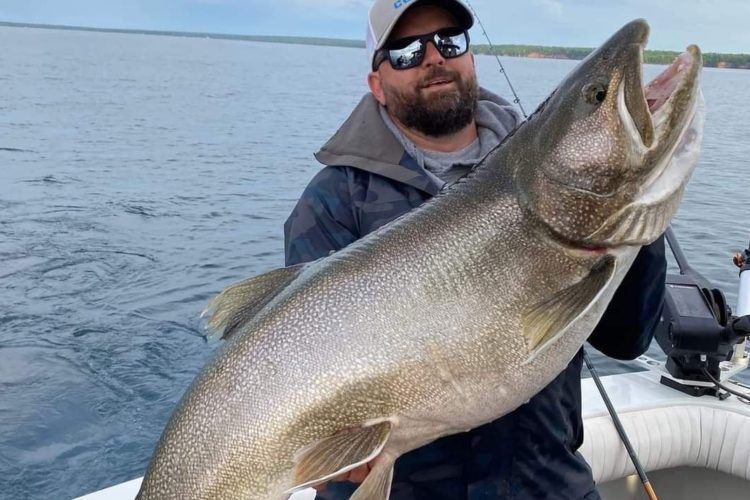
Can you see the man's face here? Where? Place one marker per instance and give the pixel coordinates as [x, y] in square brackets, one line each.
[436, 98]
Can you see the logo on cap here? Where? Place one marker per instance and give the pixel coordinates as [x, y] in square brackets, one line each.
[400, 3]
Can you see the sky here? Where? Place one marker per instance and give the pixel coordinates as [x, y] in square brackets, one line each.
[715, 25]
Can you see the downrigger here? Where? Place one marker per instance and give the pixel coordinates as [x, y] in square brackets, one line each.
[703, 339]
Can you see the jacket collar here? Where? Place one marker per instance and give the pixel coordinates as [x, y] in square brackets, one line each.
[364, 142]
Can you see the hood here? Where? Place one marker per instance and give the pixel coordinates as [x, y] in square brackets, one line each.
[364, 142]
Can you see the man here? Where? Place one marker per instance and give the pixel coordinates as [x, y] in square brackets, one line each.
[424, 124]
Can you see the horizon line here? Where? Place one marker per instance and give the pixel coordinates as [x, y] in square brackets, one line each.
[325, 41]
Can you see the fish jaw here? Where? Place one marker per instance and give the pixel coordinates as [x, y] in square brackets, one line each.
[611, 159]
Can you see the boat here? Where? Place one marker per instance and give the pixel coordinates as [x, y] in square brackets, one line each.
[692, 447]
[689, 429]
[686, 419]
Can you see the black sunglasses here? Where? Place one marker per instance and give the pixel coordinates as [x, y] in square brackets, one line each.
[409, 52]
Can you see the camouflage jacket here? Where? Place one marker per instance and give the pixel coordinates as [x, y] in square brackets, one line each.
[531, 453]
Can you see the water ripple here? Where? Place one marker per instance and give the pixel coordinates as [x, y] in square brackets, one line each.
[133, 191]
[17, 150]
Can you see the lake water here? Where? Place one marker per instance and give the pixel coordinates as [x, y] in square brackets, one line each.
[141, 174]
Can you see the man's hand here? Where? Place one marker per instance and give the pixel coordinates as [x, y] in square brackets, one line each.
[356, 475]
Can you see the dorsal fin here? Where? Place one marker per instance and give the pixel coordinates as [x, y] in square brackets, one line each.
[241, 301]
[545, 320]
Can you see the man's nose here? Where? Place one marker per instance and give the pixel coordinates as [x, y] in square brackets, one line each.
[432, 55]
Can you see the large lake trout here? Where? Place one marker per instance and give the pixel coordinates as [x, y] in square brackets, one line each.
[450, 316]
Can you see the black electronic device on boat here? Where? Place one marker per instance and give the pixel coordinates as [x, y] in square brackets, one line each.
[697, 330]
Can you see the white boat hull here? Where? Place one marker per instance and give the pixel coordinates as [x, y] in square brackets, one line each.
[694, 448]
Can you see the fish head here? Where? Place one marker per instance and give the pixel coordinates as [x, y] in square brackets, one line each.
[611, 157]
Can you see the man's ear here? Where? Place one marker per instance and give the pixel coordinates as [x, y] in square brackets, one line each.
[373, 80]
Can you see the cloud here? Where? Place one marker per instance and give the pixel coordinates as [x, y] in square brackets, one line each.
[358, 5]
[716, 25]
[553, 8]
[213, 2]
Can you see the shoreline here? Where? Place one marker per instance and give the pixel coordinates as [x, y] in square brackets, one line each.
[710, 59]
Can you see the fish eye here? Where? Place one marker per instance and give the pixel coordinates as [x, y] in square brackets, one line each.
[594, 93]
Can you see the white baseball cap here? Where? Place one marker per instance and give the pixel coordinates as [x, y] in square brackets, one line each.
[384, 15]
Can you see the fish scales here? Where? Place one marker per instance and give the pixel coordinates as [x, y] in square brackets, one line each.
[449, 317]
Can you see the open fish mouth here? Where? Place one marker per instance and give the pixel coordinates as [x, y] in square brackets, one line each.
[673, 100]
[659, 90]
[679, 78]
[665, 120]
[652, 112]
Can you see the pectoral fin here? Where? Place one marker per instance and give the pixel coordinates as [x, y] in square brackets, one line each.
[241, 301]
[545, 320]
[339, 453]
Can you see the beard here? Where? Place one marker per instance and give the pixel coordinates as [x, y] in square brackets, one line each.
[443, 112]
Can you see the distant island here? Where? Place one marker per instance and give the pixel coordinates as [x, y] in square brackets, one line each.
[710, 59]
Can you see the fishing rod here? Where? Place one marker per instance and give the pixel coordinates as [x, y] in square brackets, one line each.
[612, 412]
[742, 261]
[516, 99]
[620, 429]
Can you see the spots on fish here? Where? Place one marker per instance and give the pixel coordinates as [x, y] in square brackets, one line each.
[422, 319]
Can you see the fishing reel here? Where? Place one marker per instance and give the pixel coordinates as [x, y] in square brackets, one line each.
[701, 337]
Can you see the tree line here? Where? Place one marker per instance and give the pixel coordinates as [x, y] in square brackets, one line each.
[710, 59]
